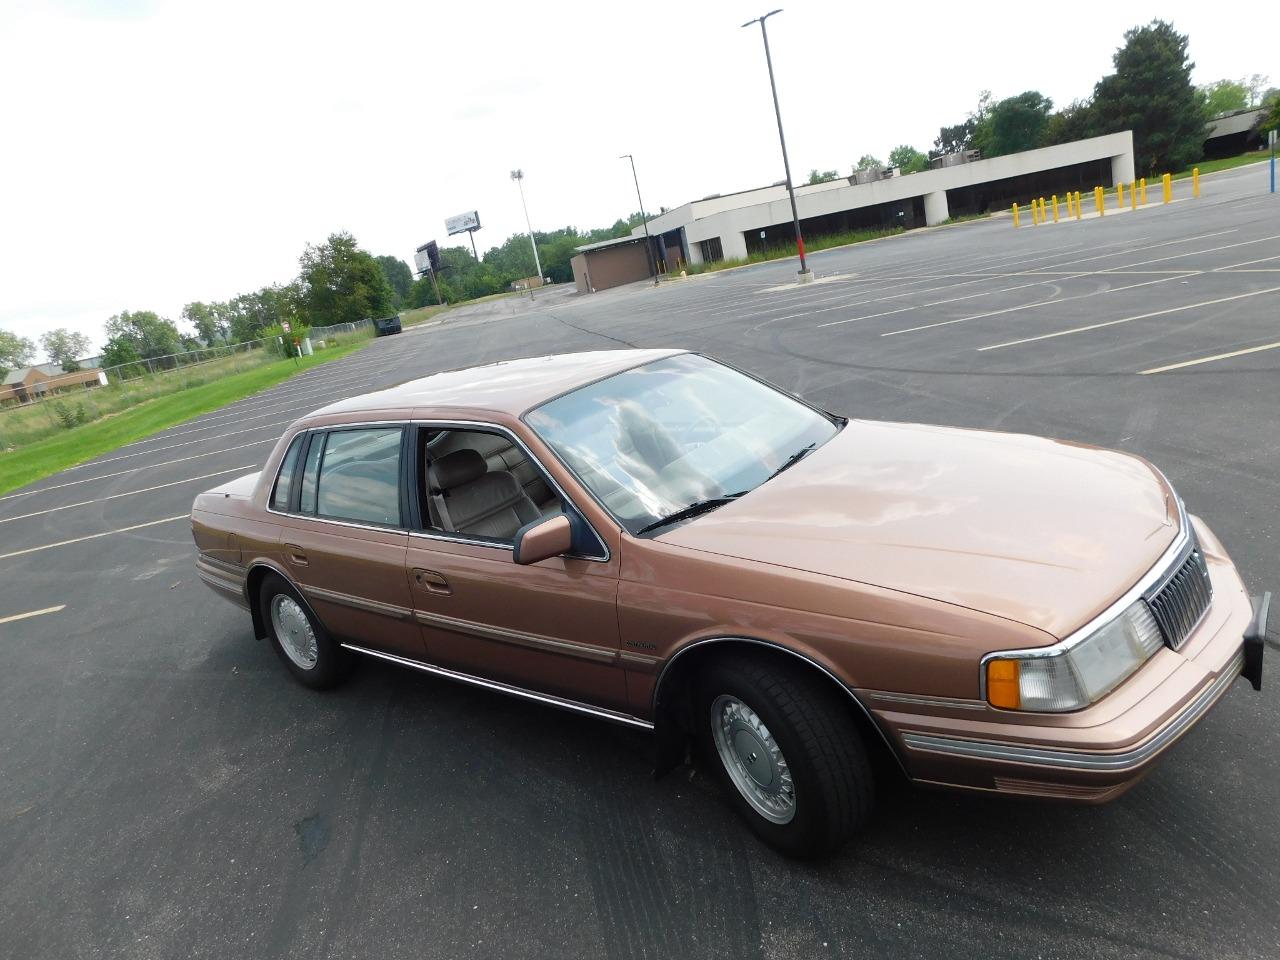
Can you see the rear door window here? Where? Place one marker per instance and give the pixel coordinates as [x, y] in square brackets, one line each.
[358, 476]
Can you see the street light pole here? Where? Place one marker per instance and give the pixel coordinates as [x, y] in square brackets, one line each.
[644, 218]
[805, 273]
[518, 177]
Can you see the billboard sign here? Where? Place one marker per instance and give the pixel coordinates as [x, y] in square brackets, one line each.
[427, 257]
[463, 222]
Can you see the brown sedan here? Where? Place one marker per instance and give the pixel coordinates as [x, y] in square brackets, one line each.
[659, 539]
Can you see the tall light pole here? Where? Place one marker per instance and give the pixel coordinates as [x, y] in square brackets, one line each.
[644, 218]
[518, 177]
[805, 273]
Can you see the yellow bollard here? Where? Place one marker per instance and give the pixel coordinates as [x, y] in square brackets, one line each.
[1133, 197]
[1168, 187]
[1120, 196]
[1078, 205]
[1016, 221]
[1143, 184]
[1100, 201]
[1069, 199]
[1195, 181]
[1055, 208]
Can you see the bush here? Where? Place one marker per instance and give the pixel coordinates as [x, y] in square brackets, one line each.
[282, 343]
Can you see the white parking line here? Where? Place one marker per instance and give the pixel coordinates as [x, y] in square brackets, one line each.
[1233, 266]
[121, 473]
[184, 443]
[33, 613]
[1140, 316]
[1032, 306]
[127, 493]
[1219, 356]
[92, 536]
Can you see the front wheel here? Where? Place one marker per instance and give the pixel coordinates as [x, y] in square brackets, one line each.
[787, 752]
[309, 653]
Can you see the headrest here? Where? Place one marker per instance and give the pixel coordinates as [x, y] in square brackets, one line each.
[457, 468]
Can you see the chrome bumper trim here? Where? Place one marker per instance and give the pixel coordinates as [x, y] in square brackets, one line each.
[1080, 759]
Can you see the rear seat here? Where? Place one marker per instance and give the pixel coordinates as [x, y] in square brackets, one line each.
[500, 454]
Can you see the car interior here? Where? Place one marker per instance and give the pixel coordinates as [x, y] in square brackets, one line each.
[482, 484]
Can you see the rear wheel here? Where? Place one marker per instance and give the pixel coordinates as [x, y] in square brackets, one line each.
[790, 758]
[301, 642]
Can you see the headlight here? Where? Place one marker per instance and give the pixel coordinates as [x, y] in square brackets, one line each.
[1079, 675]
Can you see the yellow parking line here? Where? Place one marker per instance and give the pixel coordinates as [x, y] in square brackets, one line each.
[92, 536]
[33, 613]
[1217, 356]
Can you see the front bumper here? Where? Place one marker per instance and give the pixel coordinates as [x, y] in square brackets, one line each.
[1097, 753]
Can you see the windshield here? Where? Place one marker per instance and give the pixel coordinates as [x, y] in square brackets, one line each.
[652, 441]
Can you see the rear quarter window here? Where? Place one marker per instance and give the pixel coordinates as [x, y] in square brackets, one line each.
[284, 480]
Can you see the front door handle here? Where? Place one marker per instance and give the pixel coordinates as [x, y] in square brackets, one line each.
[430, 580]
[295, 555]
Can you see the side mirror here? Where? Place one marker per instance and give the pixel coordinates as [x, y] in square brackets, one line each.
[543, 539]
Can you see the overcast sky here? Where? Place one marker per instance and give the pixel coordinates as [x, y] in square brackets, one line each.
[160, 152]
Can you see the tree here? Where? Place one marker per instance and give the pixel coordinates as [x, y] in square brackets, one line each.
[823, 176]
[867, 162]
[64, 347]
[208, 321]
[1151, 94]
[908, 159]
[1266, 123]
[340, 283]
[1224, 96]
[960, 137]
[1013, 125]
[1256, 86]
[1073, 122]
[15, 351]
[140, 335]
[399, 277]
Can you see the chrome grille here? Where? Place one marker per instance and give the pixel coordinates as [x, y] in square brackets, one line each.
[1180, 604]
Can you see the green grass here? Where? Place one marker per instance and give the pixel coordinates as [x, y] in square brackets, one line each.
[409, 318]
[67, 447]
[783, 250]
[1226, 163]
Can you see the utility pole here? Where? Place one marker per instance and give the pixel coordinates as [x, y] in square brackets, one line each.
[518, 177]
[644, 218]
[805, 273]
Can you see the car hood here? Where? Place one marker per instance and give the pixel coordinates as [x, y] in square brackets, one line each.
[1043, 532]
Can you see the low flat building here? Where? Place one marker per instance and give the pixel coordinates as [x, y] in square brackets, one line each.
[32, 382]
[735, 225]
[610, 263]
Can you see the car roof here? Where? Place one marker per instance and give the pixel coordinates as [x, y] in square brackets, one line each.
[508, 386]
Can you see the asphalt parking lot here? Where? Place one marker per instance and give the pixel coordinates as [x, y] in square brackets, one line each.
[167, 791]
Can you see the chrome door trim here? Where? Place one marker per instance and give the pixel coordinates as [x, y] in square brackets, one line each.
[922, 700]
[517, 638]
[563, 703]
[359, 603]
[1068, 759]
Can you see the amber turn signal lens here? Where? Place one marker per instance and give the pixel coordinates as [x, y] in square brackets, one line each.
[1002, 684]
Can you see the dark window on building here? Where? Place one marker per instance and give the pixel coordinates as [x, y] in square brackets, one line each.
[711, 250]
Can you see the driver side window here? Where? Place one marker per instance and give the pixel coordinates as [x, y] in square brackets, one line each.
[479, 484]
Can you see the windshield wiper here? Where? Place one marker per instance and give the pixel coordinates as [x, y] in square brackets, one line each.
[795, 458]
[692, 510]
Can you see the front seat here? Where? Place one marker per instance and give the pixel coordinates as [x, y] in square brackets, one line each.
[469, 498]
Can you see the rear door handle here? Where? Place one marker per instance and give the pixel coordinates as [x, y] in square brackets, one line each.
[295, 555]
[430, 580]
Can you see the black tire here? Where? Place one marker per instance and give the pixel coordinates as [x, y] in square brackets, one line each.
[331, 664]
[831, 775]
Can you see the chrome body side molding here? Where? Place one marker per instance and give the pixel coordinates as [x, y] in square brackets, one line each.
[549, 699]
